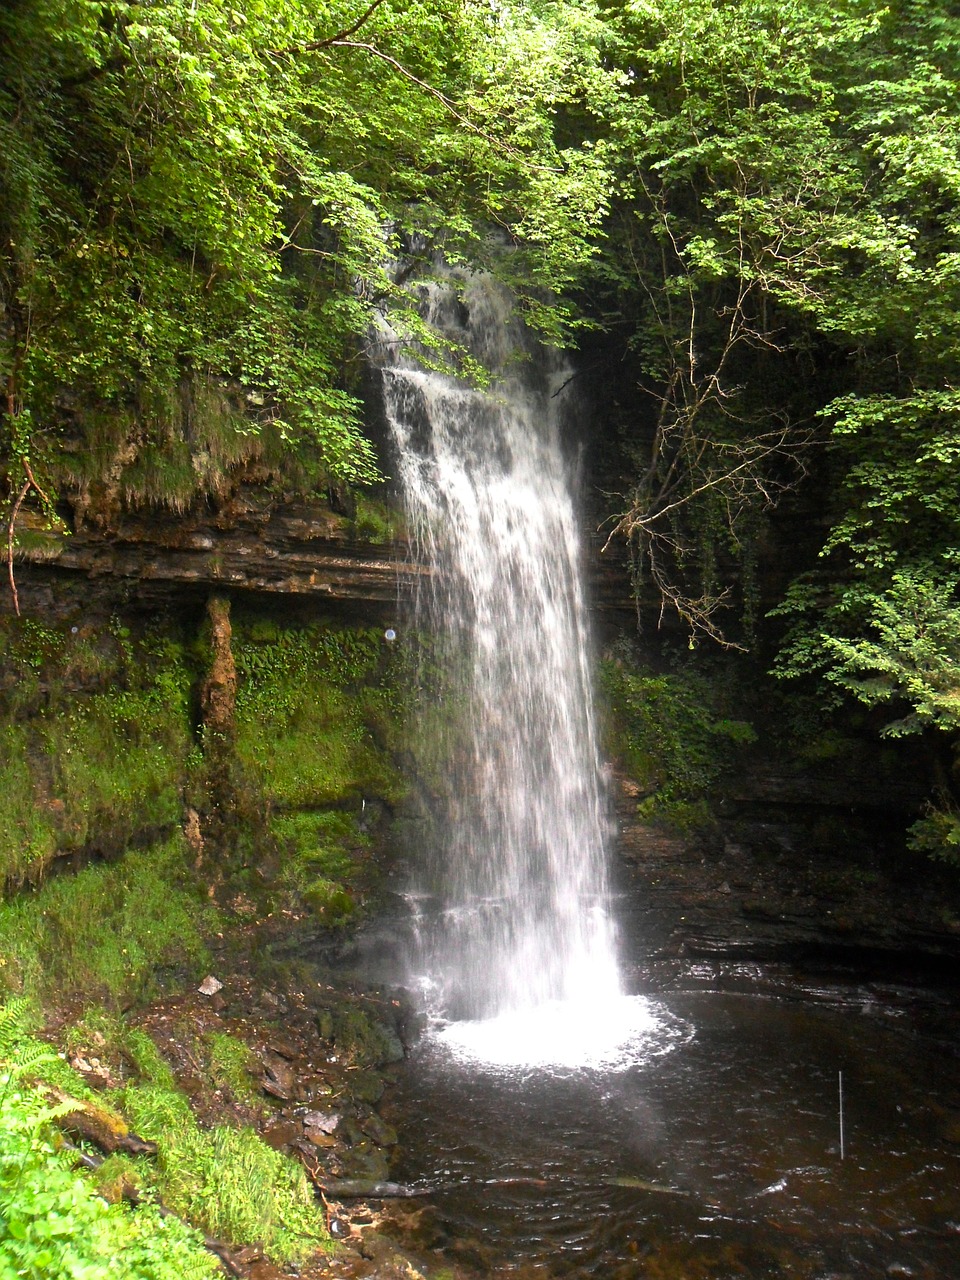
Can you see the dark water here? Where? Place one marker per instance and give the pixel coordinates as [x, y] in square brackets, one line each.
[718, 1158]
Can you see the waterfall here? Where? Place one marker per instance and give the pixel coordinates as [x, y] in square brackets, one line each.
[512, 905]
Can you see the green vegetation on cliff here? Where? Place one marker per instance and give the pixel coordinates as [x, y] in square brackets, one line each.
[201, 204]
[135, 842]
[752, 207]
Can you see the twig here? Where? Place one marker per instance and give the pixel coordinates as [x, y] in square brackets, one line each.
[10, 530]
[341, 42]
[314, 45]
[28, 484]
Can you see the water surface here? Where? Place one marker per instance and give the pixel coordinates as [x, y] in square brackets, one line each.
[713, 1153]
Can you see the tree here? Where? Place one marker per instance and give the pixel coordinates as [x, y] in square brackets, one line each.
[738, 196]
[202, 204]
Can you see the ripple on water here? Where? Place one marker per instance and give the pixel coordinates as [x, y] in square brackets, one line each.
[607, 1035]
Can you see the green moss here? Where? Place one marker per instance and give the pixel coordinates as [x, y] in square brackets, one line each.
[315, 750]
[29, 828]
[95, 741]
[109, 930]
[117, 1177]
[161, 475]
[329, 843]
[117, 762]
[360, 1038]
[374, 521]
[302, 734]
[184, 441]
[673, 736]
[147, 1059]
[329, 901]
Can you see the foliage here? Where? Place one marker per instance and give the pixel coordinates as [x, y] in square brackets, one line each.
[203, 203]
[937, 833]
[52, 1222]
[904, 648]
[374, 521]
[782, 260]
[108, 929]
[230, 1064]
[673, 738]
[227, 1180]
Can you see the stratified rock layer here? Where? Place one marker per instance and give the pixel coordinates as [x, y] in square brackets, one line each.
[253, 543]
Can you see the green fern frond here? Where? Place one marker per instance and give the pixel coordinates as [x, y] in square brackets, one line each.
[13, 1016]
[28, 1055]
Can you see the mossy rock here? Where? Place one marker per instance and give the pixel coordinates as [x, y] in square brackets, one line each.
[359, 1036]
[330, 902]
[119, 1178]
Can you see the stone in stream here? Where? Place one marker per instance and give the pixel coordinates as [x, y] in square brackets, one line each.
[377, 1129]
[278, 1079]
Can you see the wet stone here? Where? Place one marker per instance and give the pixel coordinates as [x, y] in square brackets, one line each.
[366, 1086]
[283, 1046]
[365, 1162]
[318, 1138]
[281, 1135]
[377, 1129]
[278, 1078]
[323, 1121]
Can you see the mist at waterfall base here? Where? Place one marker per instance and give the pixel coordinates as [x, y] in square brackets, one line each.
[515, 948]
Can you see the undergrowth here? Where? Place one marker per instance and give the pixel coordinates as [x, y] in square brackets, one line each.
[226, 1181]
[53, 1224]
[229, 1067]
[117, 932]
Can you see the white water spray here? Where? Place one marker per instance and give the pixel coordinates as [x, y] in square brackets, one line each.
[513, 909]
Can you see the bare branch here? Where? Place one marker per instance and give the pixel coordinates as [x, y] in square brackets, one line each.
[11, 526]
[345, 34]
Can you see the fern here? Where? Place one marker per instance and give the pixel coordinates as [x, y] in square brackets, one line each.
[13, 1018]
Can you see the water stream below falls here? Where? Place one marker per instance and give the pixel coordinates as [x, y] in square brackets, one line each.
[709, 1151]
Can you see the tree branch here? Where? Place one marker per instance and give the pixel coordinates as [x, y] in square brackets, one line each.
[341, 42]
[10, 531]
[314, 45]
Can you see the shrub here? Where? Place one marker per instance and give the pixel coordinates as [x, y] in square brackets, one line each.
[673, 737]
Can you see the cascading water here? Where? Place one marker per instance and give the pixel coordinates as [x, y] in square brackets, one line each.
[513, 907]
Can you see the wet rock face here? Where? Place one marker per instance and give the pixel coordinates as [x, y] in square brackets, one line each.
[253, 543]
[811, 881]
[218, 694]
